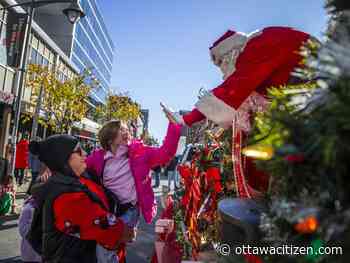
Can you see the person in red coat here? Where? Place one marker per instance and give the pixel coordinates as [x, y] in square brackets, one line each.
[250, 65]
[21, 161]
[73, 217]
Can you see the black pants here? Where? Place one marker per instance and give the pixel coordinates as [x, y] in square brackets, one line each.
[19, 175]
[157, 179]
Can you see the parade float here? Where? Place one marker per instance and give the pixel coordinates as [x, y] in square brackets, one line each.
[301, 140]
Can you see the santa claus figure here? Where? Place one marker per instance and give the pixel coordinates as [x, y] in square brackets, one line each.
[250, 65]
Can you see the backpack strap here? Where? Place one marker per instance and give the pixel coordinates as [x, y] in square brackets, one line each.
[93, 196]
[73, 185]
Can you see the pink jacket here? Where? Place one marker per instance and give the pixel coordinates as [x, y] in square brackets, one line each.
[142, 158]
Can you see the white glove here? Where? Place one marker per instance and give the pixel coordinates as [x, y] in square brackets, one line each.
[202, 93]
[174, 117]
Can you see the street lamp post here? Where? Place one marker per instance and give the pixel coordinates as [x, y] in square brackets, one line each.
[37, 113]
[73, 13]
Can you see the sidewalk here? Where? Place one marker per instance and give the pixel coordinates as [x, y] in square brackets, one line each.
[141, 251]
[9, 237]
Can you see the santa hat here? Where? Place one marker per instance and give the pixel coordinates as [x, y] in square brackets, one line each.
[227, 42]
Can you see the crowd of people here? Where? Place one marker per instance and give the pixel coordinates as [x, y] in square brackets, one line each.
[168, 171]
[7, 182]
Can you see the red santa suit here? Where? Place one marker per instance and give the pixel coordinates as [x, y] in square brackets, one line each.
[251, 64]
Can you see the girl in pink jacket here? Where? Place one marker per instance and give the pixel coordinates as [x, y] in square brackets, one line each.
[124, 167]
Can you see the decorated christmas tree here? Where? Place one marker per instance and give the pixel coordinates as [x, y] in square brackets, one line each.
[207, 177]
[302, 141]
[307, 127]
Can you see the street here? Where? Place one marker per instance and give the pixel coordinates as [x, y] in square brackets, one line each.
[139, 251]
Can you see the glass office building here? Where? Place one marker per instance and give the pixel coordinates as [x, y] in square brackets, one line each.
[93, 48]
[87, 44]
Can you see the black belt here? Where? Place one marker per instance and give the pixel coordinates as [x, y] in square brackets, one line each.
[124, 207]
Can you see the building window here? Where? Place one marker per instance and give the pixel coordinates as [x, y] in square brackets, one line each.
[9, 81]
[3, 44]
[33, 55]
[2, 76]
[63, 71]
[41, 54]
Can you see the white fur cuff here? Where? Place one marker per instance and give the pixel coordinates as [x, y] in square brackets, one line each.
[216, 110]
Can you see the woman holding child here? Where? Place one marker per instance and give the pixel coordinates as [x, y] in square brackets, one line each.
[73, 221]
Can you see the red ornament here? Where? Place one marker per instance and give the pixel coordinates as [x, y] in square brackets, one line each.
[252, 259]
[295, 158]
[214, 179]
[217, 187]
[307, 226]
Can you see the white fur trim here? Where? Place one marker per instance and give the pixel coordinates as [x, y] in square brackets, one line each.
[235, 41]
[254, 34]
[229, 67]
[216, 110]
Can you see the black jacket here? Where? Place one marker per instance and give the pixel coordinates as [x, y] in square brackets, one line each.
[53, 245]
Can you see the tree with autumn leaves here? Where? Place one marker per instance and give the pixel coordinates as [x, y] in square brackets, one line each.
[118, 106]
[64, 102]
[148, 139]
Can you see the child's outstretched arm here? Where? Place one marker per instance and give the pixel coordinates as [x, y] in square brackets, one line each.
[163, 154]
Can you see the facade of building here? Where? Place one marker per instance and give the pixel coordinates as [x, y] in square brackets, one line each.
[93, 48]
[145, 119]
[45, 48]
[87, 44]
[7, 75]
[44, 52]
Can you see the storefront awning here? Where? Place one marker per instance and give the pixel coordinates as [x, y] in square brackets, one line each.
[87, 125]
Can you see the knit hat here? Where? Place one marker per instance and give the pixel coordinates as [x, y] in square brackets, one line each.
[54, 151]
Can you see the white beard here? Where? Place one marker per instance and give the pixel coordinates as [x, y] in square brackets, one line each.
[228, 64]
[228, 51]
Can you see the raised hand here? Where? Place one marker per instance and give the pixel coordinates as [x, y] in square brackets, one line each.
[203, 93]
[172, 116]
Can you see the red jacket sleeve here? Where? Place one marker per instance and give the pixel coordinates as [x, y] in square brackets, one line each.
[163, 154]
[267, 60]
[76, 214]
[193, 117]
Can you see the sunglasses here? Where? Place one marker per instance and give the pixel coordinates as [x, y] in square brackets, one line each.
[79, 151]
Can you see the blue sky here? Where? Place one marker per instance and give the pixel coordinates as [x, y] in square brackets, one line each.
[162, 46]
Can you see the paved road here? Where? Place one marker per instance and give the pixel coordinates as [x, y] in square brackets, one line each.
[138, 252]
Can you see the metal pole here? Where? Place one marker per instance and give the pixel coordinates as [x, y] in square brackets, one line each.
[36, 114]
[20, 82]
